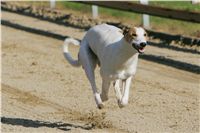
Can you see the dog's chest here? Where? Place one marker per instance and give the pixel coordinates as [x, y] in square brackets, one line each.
[127, 71]
[117, 71]
[124, 74]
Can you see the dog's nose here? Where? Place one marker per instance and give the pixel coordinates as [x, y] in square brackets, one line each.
[143, 44]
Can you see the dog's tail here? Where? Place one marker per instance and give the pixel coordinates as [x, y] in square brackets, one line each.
[67, 55]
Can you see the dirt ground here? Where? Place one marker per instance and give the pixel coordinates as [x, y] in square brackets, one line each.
[41, 92]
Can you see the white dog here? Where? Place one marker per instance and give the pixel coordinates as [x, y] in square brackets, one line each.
[116, 52]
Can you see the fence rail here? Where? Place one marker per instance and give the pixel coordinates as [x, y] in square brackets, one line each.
[147, 9]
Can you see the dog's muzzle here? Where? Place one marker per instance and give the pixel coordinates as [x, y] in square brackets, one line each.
[141, 47]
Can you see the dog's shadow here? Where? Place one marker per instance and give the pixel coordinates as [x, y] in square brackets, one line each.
[37, 124]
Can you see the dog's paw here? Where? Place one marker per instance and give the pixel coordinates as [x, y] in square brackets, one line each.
[98, 101]
[121, 104]
[100, 106]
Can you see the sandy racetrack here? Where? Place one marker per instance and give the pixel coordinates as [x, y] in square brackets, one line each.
[41, 92]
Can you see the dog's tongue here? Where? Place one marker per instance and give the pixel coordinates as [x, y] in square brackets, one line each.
[141, 50]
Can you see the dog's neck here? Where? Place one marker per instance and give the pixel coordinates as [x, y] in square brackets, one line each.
[127, 48]
[127, 56]
[126, 53]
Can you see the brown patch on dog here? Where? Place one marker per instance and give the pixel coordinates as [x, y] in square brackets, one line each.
[129, 34]
[146, 35]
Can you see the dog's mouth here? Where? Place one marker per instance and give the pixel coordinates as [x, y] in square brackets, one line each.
[139, 49]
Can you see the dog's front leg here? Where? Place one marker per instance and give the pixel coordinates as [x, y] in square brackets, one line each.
[126, 87]
[105, 89]
[117, 90]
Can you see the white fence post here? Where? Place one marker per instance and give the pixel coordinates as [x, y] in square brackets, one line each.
[145, 17]
[94, 11]
[195, 1]
[52, 4]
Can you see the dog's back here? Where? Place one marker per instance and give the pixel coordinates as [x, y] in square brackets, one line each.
[102, 35]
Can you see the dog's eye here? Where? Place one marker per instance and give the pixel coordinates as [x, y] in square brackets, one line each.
[145, 34]
[134, 34]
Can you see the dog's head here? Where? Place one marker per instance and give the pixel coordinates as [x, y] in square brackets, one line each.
[137, 37]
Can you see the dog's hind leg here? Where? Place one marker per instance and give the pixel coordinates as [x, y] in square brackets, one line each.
[89, 62]
[105, 89]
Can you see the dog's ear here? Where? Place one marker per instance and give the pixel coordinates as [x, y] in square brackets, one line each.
[125, 30]
[129, 33]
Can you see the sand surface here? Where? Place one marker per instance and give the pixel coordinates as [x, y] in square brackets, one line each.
[41, 92]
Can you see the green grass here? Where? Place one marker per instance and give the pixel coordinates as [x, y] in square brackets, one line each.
[77, 6]
[182, 5]
[123, 16]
